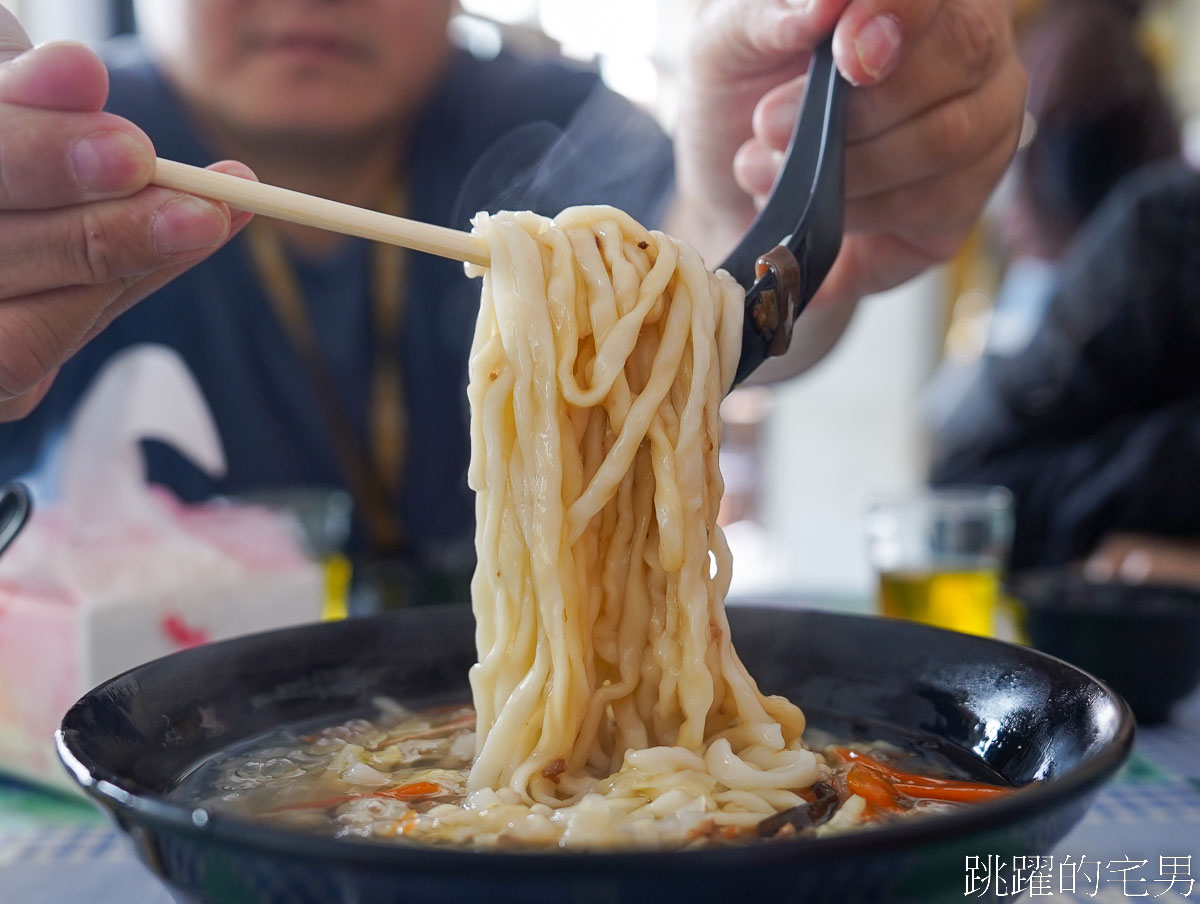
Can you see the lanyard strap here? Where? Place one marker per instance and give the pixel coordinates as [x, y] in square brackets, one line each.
[373, 476]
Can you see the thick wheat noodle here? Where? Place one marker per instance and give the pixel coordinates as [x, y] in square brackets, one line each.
[601, 354]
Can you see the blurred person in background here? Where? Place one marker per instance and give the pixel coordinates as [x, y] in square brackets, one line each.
[1092, 420]
[1087, 402]
[1098, 112]
[331, 362]
[1096, 425]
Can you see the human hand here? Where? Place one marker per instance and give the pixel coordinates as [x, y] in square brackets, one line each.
[82, 234]
[929, 131]
[1144, 559]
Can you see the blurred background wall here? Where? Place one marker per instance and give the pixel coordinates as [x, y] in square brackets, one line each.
[800, 458]
[77, 20]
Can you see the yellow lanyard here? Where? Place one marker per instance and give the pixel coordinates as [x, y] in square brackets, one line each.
[373, 476]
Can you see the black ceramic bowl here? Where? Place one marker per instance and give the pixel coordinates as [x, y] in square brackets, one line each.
[1008, 710]
[1142, 639]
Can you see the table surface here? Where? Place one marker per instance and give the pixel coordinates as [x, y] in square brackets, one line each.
[1140, 839]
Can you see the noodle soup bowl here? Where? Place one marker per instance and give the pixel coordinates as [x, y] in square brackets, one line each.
[999, 710]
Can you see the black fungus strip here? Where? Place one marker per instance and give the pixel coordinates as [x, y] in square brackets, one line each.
[804, 816]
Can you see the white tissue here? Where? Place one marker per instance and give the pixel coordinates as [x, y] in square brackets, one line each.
[145, 392]
[112, 537]
[115, 572]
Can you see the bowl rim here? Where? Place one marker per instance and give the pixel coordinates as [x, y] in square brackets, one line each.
[159, 812]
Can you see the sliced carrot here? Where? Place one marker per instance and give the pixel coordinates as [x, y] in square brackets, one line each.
[963, 792]
[964, 789]
[873, 788]
[403, 792]
[409, 791]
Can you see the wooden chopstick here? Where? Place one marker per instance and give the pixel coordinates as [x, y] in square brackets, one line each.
[308, 210]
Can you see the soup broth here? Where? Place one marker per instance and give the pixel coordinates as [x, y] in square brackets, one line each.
[403, 774]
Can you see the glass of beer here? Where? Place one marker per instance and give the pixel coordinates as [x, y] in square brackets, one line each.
[939, 554]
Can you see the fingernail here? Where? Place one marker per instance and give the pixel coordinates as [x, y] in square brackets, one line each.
[107, 162]
[188, 224]
[878, 45]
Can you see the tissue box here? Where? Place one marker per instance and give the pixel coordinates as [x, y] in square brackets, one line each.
[77, 607]
[117, 572]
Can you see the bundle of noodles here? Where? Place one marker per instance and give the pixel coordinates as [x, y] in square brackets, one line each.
[601, 354]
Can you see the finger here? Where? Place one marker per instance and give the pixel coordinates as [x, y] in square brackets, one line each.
[965, 46]
[745, 38]
[140, 288]
[43, 329]
[111, 241]
[870, 37]
[873, 36]
[955, 56]
[64, 76]
[17, 407]
[48, 159]
[238, 218]
[755, 167]
[943, 205]
[776, 113]
[944, 138]
[106, 241]
[941, 139]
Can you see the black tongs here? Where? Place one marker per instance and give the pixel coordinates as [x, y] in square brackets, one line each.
[781, 282]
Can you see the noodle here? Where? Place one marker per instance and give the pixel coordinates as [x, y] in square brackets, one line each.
[610, 708]
[608, 693]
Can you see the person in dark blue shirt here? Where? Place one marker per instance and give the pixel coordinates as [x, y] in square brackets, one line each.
[220, 318]
[1095, 425]
[329, 362]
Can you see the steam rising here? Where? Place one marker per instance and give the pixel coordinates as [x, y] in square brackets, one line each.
[609, 154]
